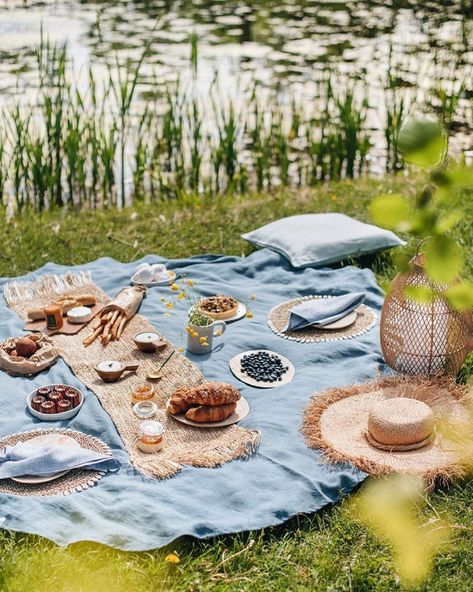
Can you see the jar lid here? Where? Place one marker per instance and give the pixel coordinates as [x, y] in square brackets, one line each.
[151, 428]
[145, 409]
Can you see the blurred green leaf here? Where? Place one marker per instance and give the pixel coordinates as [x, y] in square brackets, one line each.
[449, 221]
[460, 296]
[422, 142]
[441, 177]
[391, 211]
[389, 507]
[419, 293]
[445, 195]
[462, 176]
[443, 259]
[425, 196]
[424, 221]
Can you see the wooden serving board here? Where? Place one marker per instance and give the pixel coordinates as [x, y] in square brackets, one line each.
[67, 328]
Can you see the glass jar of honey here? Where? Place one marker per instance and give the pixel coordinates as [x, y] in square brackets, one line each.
[150, 436]
[142, 393]
[53, 313]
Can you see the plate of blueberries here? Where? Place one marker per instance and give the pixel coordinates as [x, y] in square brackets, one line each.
[262, 368]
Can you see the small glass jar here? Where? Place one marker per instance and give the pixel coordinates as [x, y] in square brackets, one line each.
[53, 313]
[142, 393]
[150, 436]
[145, 409]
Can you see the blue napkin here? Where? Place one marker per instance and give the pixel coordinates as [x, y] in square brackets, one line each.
[319, 312]
[24, 459]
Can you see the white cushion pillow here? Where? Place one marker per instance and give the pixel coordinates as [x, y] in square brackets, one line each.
[313, 240]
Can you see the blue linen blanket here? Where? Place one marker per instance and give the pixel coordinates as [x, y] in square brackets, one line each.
[129, 511]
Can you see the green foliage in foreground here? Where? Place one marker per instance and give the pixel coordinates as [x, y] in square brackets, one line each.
[330, 550]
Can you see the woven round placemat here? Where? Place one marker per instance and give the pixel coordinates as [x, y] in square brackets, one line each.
[279, 316]
[73, 481]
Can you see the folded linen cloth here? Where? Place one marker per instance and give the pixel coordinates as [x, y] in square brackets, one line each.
[147, 273]
[319, 312]
[25, 459]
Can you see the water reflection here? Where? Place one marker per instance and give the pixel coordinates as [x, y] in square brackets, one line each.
[283, 45]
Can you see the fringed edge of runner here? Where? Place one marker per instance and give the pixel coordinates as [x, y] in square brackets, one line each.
[45, 286]
[212, 457]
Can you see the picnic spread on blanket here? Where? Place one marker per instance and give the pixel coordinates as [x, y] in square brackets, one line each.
[146, 441]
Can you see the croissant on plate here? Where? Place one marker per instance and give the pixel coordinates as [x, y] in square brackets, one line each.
[210, 413]
[177, 403]
[208, 394]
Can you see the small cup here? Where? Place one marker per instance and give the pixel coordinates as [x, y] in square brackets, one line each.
[150, 436]
[145, 409]
[143, 393]
[148, 342]
[111, 370]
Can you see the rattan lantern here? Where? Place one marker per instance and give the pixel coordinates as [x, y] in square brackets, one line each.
[423, 339]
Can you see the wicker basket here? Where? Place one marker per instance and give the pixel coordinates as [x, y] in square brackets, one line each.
[423, 339]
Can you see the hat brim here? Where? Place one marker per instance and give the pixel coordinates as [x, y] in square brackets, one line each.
[336, 420]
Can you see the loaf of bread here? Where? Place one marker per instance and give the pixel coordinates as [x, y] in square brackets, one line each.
[208, 394]
[66, 303]
[210, 413]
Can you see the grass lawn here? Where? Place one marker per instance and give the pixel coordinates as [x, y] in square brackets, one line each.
[326, 551]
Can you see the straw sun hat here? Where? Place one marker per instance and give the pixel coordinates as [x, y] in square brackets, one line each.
[394, 425]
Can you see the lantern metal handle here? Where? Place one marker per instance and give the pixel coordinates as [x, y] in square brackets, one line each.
[421, 243]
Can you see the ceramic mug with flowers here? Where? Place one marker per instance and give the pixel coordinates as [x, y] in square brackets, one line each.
[201, 331]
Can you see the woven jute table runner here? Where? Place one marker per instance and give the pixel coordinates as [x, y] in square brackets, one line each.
[184, 445]
[278, 318]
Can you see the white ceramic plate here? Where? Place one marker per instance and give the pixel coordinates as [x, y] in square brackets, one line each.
[240, 313]
[44, 440]
[55, 416]
[172, 277]
[235, 367]
[342, 323]
[241, 411]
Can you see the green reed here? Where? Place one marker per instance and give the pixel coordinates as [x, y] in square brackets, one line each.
[117, 141]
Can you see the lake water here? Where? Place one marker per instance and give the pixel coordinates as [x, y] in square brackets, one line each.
[284, 45]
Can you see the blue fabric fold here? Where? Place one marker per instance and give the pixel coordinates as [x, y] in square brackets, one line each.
[320, 312]
[24, 459]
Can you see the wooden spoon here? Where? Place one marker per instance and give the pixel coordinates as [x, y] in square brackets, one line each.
[157, 374]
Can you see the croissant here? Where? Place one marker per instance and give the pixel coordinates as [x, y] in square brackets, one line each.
[177, 403]
[210, 413]
[210, 393]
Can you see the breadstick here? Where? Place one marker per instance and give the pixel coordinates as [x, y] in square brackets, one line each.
[110, 322]
[93, 336]
[116, 324]
[97, 322]
[121, 326]
[105, 339]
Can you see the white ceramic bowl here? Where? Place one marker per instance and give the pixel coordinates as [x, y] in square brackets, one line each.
[55, 416]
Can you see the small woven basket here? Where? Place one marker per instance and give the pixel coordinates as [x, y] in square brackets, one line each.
[423, 338]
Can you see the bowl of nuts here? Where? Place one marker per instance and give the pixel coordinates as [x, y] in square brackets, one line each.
[55, 402]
